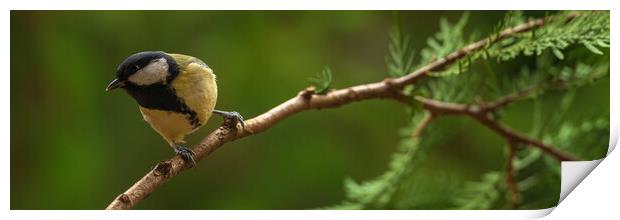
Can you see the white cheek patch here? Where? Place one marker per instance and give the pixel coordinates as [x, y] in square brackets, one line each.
[154, 72]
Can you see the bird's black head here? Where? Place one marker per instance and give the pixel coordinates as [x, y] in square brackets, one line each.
[145, 69]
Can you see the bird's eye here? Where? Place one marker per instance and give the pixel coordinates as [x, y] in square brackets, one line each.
[136, 68]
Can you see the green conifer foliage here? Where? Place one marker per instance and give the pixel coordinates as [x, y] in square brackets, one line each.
[558, 59]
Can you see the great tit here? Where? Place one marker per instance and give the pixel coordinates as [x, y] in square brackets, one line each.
[176, 94]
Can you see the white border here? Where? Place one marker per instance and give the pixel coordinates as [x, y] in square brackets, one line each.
[592, 198]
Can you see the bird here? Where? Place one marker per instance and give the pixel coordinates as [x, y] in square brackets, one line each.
[176, 95]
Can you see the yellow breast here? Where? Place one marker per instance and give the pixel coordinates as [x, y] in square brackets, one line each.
[172, 126]
[196, 87]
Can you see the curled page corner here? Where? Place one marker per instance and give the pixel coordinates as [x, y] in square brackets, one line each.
[573, 172]
[613, 128]
[535, 214]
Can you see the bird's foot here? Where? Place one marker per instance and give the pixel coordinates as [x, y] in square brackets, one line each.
[231, 118]
[187, 155]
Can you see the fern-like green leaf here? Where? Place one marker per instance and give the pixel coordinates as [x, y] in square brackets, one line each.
[450, 38]
[322, 81]
[378, 193]
[400, 57]
[484, 194]
[587, 28]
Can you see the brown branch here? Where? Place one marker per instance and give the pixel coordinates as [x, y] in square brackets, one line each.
[506, 100]
[510, 174]
[484, 116]
[451, 58]
[305, 100]
[423, 124]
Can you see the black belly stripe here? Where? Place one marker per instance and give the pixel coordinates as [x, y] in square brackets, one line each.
[162, 97]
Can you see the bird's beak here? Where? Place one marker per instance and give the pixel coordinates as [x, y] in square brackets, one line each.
[116, 83]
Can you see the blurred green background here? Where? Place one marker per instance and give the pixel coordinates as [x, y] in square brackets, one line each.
[75, 146]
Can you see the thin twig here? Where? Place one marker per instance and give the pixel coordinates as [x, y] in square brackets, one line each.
[390, 88]
[511, 175]
[505, 100]
[451, 58]
[483, 116]
[428, 117]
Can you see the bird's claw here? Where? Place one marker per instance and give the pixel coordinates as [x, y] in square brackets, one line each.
[231, 118]
[186, 154]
